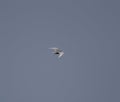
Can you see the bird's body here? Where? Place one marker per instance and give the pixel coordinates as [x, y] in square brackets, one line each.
[57, 51]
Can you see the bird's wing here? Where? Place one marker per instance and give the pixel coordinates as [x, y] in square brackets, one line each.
[55, 49]
[60, 54]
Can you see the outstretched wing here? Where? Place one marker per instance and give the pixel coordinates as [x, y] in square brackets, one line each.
[60, 54]
[55, 49]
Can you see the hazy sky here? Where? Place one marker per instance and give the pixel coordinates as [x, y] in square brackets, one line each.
[89, 33]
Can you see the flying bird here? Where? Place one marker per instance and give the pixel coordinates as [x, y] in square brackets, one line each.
[57, 51]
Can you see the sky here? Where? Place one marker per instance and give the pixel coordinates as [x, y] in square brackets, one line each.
[88, 31]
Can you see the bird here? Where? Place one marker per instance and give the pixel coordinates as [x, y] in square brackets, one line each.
[57, 51]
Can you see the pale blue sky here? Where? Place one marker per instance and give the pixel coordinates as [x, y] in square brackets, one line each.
[89, 33]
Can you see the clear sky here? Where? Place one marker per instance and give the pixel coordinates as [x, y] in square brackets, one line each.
[89, 33]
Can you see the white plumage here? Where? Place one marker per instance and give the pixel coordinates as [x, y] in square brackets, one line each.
[57, 51]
